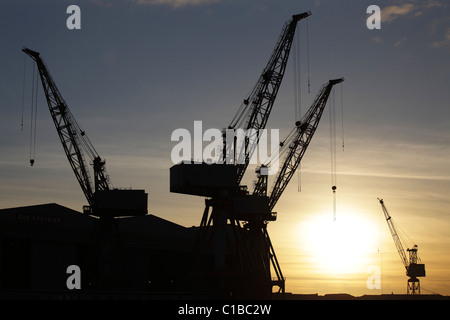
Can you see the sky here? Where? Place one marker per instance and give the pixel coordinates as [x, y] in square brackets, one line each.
[139, 69]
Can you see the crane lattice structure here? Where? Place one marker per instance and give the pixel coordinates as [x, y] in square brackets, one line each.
[74, 140]
[414, 269]
[295, 145]
[233, 252]
[230, 253]
[104, 202]
[254, 112]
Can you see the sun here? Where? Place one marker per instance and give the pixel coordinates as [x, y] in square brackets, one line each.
[341, 246]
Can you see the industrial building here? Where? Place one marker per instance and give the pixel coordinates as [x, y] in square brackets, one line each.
[38, 243]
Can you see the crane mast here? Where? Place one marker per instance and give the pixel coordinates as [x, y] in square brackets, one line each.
[296, 143]
[255, 109]
[73, 139]
[413, 268]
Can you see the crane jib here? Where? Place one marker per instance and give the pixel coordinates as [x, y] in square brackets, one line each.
[256, 108]
[75, 142]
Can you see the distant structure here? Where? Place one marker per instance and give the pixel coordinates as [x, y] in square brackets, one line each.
[414, 270]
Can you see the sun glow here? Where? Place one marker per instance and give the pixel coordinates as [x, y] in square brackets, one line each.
[341, 246]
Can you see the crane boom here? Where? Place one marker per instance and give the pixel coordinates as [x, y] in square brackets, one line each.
[255, 109]
[297, 143]
[73, 138]
[398, 243]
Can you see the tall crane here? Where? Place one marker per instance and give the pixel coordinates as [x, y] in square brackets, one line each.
[413, 268]
[104, 202]
[295, 145]
[254, 111]
[74, 140]
[231, 257]
[101, 197]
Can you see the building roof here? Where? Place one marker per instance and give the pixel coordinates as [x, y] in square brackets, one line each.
[49, 221]
[52, 221]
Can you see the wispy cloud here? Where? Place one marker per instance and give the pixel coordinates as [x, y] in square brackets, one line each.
[400, 42]
[175, 3]
[433, 4]
[377, 39]
[443, 43]
[391, 13]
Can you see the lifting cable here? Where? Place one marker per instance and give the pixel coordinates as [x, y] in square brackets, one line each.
[297, 78]
[34, 97]
[307, 54]
[23, 90]
[298, 86]
[342, 113]
[297, 93]
[332, 110]
[333, 151]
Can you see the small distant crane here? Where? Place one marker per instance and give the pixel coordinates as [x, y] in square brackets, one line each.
[413, 268]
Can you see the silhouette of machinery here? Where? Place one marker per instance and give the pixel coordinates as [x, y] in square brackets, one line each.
[414, 269]
[104, 202]
[233, 252]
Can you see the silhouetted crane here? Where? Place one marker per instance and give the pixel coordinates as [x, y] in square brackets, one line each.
[104, 202]
[295, 145]
[413, 268]
[231, 252]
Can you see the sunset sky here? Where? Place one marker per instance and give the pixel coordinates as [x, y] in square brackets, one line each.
[139, 69]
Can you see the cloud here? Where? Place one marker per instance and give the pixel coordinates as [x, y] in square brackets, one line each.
[443, 43]
[377, 39]
[400, 42]
[175, 3]
[433, 4]
[390, 13]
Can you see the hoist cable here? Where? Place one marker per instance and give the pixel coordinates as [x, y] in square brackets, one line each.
[34, 97]
[23, 91]
[297, 78]
[297, 93]
[342, 112]
[32, 112]
[333, 151]
[307, 53]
